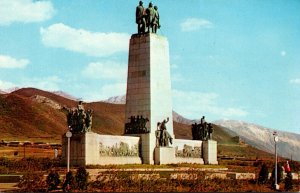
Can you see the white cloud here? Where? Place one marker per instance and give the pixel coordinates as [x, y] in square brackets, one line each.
[192, 24]
[191, 104]
[25, 11]
[106, 70]
[82, 41]
[282, 53]
[4, 86]
[295, 81]
[9, 62]
[50, 83]
[108, 90]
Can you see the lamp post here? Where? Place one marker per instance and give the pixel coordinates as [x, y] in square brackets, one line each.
[276, 186]
[68, 135]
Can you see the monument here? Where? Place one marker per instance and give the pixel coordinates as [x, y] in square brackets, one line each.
[149, 87]
[148, 136]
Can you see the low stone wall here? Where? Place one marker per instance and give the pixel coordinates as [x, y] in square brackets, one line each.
[165, 173]
[241, 176]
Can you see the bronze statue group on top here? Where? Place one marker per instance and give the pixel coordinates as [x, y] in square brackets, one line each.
[202, 131]
[79, 120]
[147, 19]
[136, 125]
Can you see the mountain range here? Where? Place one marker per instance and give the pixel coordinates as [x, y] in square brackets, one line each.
[33, 114]
[262, 138]
[254, 135]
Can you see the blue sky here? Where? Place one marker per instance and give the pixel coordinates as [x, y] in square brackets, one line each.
[230, 59]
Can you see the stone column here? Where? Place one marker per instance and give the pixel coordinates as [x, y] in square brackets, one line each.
[149, 86]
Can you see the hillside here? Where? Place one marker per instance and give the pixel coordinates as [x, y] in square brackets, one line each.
[33, 114]
[262, 138]
[2, 92]
[21, 118]
[108, 118]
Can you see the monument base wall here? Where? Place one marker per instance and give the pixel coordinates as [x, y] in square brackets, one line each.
[188, 151]
[94, 149]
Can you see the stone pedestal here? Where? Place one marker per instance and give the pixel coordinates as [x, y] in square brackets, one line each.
[164, 155]
[77, 149]
[210, 152]
[149, 87]
[94, 149]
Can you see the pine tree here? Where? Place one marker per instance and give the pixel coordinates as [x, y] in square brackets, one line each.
[82, 178]
[263, 174]
[53, 180]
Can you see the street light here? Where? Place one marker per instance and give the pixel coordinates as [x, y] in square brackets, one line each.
[276, 140]
[68, 135]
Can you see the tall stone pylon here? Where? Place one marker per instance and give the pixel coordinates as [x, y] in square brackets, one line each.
[149, 87]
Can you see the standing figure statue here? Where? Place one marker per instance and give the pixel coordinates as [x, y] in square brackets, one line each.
[203, 126]
[157, 135]
[89, 120]
[140, 18]
[163, 124]
[210, 130]
[150, 12]
[202, 121]
[155, 23]
[163, 138]
[80, 106]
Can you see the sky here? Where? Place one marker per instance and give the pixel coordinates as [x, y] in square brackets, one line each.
[230, 59]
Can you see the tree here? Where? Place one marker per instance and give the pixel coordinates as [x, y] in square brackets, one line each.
[263, 174]
[69, 182]
[53, 180]
[82, 178]
[279, 174]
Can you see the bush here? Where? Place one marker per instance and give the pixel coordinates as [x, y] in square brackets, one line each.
[28, 164]
[53, 180]
[288, 182]
[82, 178]
[32, 182]
[279, 174]
[263, 174]
[69, 183]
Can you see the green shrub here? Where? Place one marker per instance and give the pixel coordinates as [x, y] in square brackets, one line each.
[53, 180]
[29, 164]
[263, 174]
[32, 182]
[69, 182]
[82, 178]
[279, 174]
[288, 182]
